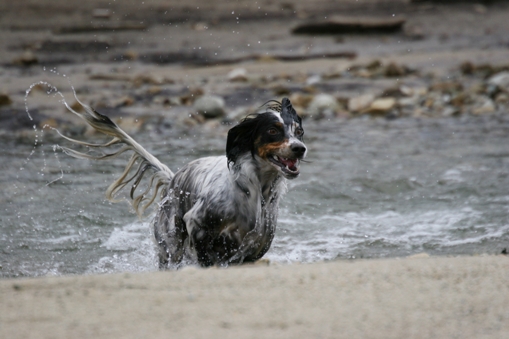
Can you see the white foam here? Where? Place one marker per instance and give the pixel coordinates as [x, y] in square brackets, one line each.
[306, 239]
[301, 238]
[136, 239]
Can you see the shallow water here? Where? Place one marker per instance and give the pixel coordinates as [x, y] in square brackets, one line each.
[373, 188]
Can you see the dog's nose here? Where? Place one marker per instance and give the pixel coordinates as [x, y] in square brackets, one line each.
[298, 150]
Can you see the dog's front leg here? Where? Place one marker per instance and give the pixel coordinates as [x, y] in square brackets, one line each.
[248, 247]
[200, 240]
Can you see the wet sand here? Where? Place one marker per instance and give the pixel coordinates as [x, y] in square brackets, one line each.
[463, 297]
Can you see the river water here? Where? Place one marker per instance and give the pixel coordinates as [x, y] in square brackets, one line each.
[373, 188]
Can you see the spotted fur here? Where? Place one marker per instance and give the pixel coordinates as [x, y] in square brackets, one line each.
[215, 210]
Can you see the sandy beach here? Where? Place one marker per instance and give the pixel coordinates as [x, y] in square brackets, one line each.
[420, 297]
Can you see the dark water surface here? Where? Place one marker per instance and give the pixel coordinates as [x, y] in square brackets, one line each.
[373, 188]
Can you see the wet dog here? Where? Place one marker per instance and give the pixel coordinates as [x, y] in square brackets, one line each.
[218, 210]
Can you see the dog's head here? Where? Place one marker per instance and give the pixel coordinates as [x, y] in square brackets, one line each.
[275, 135]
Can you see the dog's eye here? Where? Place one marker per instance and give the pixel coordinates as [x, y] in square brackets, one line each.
[299, 132]
[273, 131]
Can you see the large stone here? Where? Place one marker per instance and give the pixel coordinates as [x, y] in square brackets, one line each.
[210, 106]
[500, 81]
[237, 75]
[323, 106]
[382, 105]
[360, 103]
[484, 105]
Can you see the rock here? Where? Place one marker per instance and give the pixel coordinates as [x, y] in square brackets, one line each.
[502, 98]
[49, 123]
[348, 24]
[154, 90]
[301, 99]
[460, 99]
[210, 106]
[467, 68]
[314, 80]
[381, 106]
[280, 90]
[109, 77]
[360, 103]
[101, 13]
[500, 81]
[130, 55]
[448, 87]
[376, 69]
[131, 125]
[122, 101]
[76, 106]
[374, 65]
[191, 95]
[450, 111]
[151, 79]
[398, 92]
[415, 32]
[395, 70]
[28, 58]
[481, 70]
[484, 107]
[323, 106]
[238, 114]
[200, 26]
[237, 75]
[5, 99]
[408, 106]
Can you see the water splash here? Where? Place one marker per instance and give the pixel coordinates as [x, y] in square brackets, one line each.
[51, 90]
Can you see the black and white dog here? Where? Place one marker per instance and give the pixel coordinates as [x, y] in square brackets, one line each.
[215, 210]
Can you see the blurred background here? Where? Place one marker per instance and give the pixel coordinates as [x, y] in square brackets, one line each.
[405, 107]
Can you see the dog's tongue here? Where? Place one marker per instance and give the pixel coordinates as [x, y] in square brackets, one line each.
[290, 163]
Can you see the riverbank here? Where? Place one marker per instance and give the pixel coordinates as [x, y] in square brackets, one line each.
[419, 297]
[145, 65]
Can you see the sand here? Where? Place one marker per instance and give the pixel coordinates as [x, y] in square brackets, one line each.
[460, 297]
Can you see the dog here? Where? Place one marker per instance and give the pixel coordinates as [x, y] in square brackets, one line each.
[218, 210]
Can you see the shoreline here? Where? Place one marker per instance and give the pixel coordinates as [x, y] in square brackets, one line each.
[417, 297]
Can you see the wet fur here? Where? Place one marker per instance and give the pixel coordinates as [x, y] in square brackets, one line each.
[215, 210]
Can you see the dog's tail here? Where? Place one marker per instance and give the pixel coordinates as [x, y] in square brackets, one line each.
[162, 174]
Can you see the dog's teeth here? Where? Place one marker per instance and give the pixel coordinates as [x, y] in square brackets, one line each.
[275, 157]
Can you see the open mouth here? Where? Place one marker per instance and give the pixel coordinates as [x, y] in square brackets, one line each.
[287, 165]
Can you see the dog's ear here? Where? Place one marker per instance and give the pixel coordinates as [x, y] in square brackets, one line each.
[241, 139]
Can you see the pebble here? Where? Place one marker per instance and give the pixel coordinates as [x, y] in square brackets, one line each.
[395, 70]
[485, 106]
[28, 58]
[210, 106]
[323, 106]
[151, 79]
[101, 13]
[501, 81]
[131, 125]
[381, 106]
[5, 99]
[314, 80]
[238, 75]
[123, 101]
[360, 103]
